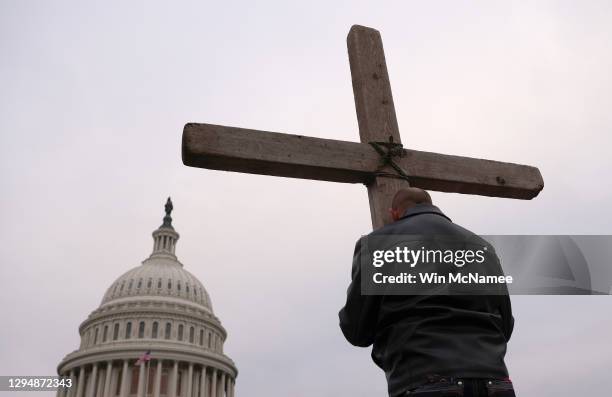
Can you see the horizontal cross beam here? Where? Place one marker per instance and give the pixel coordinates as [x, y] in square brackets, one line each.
[271, 153]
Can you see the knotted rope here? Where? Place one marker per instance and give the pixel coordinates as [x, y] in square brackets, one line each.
[388, 151]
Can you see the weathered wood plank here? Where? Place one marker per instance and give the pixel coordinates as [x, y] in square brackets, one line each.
[295, 156]
[375, 111]
[371, 86]
[271, 153]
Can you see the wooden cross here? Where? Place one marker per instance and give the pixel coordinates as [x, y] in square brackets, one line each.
[271, 153]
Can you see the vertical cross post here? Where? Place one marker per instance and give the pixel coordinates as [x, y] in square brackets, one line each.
[375, 111]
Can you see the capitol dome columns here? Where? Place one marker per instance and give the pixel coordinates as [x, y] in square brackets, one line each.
[114, 378]
[158, 375]
[213, 389]
[141, 379]
[125, 374]
[107, 379]
[80, 381]
[92, 381]
[190, 380]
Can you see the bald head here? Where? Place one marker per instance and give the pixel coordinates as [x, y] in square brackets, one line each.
[406, 198]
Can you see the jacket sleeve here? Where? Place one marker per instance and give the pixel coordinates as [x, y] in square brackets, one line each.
[359, 316]
[505, 307]
[507, 317]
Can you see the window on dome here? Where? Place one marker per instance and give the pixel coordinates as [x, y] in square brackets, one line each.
[130, 285]
[169, 284]
[187, 288]
[195, 291]
[115, 289]
[95, 337]
[201, 337]
[180, 332]
[154, 330]
[149, 283]
[191, 334]
[168, 331]
[122, 285]
[141, 330]
[159, 283]
[209, 340]
[139, 283]
[178, 286]
[105, 333]
[116, 332]
[128, 330]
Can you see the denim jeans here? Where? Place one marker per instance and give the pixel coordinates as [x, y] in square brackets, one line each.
[457, 387]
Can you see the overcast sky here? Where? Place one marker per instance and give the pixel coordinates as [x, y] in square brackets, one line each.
[93, 100]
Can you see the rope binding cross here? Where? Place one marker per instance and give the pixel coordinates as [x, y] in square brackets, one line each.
[388, 151]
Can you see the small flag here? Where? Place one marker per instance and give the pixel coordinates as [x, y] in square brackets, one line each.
[144, 358]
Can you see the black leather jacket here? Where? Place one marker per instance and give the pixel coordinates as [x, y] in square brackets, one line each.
[415, 337]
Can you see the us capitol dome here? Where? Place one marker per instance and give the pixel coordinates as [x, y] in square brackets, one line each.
[154, 334]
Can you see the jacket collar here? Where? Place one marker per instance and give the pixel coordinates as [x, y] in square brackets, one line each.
[423, 209]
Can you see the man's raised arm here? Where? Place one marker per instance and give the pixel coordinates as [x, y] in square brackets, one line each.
[359, 316]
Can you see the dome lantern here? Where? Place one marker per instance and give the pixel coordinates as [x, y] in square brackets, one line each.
[165, 237]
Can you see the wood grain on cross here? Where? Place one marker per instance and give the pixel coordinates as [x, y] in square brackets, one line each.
[271, 153]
